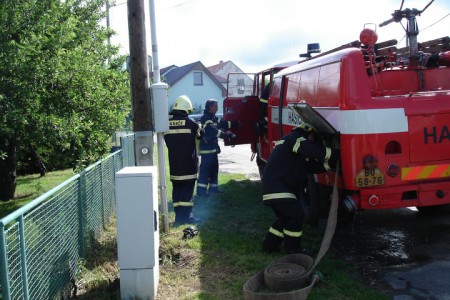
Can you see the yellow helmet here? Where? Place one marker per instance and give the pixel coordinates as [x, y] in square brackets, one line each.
[183, 103]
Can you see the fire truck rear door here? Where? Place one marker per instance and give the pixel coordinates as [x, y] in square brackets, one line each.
[242, 105]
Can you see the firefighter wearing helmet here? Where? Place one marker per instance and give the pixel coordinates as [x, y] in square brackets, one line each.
[183, 160]
[296, 155]
[209, 147]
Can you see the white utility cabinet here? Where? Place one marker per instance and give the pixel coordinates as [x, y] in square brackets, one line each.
[138, 232]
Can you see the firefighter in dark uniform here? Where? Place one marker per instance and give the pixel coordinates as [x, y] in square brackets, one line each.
[183, 158]
[285, 176]
[214, 128]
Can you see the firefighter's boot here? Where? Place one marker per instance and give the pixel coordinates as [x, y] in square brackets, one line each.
[273, 241]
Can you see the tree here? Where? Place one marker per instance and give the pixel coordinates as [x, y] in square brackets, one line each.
[61, 94]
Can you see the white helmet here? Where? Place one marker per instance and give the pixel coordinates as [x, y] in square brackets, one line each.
[183, 103]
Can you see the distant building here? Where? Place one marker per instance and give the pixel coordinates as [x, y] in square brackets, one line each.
[239, 84]
[201, 83]
[195, 81]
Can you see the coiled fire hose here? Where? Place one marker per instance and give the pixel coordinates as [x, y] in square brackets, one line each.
[293, 276]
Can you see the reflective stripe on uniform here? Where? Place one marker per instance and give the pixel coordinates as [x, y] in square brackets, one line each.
[183, 177]
[326, 165]
[213, 185]
[218, 133]
[278, 196]
[327, 153]
[276, 232]
[207, 122]
[279, 142]
[175, 131]
[202, 185]
[176, 204]
[263, 100]
[229, 124]
[208, 151]
[293, 233]
[297, 144]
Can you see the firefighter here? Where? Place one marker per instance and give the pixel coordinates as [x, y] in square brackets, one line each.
[183, 158]
[214, 128]
[284, 182]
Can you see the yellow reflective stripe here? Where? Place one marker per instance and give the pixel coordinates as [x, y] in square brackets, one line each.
[218, 120]
[207, 122]
[199, 131]
[175, 131]
[202, 185]
[229, 124]
[176, 204]
[183, 177]
[213, 185]
[293, 233]
[263, 100]
[326, 165]
[276, 232]
[278, 196]
[423, 172]
[327, 153]
[279, 142]
[297, 144]
[208, 151]
[218, 133]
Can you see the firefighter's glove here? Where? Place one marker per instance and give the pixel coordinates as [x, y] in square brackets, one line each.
[189, 232]
[330, 164]
[231, 137]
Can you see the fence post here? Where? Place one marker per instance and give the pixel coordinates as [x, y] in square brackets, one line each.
[23, 259]
[6, 289]
[103, 197]
[81, 213]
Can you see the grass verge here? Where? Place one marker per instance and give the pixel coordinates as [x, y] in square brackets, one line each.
[216, 263]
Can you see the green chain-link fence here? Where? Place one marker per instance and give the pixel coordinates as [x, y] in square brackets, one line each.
[43, 241]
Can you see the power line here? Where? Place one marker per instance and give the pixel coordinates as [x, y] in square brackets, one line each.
[436, 22]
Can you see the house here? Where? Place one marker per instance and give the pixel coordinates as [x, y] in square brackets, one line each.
[222, 69]
[240, 84]
[195, 81]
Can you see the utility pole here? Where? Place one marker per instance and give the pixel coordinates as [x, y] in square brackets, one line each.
[160, 104]
[140, 93]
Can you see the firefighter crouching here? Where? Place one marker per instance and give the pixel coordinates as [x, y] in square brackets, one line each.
[183, 159]
[209, 148]
[285, 176]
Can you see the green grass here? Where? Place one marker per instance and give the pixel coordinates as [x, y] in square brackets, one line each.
[213, 265]
[32, 186]
[226, 253]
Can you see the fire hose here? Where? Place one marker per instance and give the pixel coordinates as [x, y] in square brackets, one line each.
[293, 276]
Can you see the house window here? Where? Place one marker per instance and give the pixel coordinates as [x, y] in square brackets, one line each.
[241, 85]
[198, 78]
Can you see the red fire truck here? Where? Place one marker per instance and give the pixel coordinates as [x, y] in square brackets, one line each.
[386, 108]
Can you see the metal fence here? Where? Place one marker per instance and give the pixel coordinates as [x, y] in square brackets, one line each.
[42, 242]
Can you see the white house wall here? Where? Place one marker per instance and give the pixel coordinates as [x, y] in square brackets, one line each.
[197, 93]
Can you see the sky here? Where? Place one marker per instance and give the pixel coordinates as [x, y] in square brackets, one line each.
[257, 34]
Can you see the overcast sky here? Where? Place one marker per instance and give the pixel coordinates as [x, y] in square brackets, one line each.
[256, 34]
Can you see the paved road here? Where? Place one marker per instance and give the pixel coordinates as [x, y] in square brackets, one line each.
[403, 253]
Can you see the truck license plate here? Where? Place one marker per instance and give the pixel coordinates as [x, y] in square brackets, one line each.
[369, 178]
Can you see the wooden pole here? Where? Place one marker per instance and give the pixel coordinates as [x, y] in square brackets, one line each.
[140, 93]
